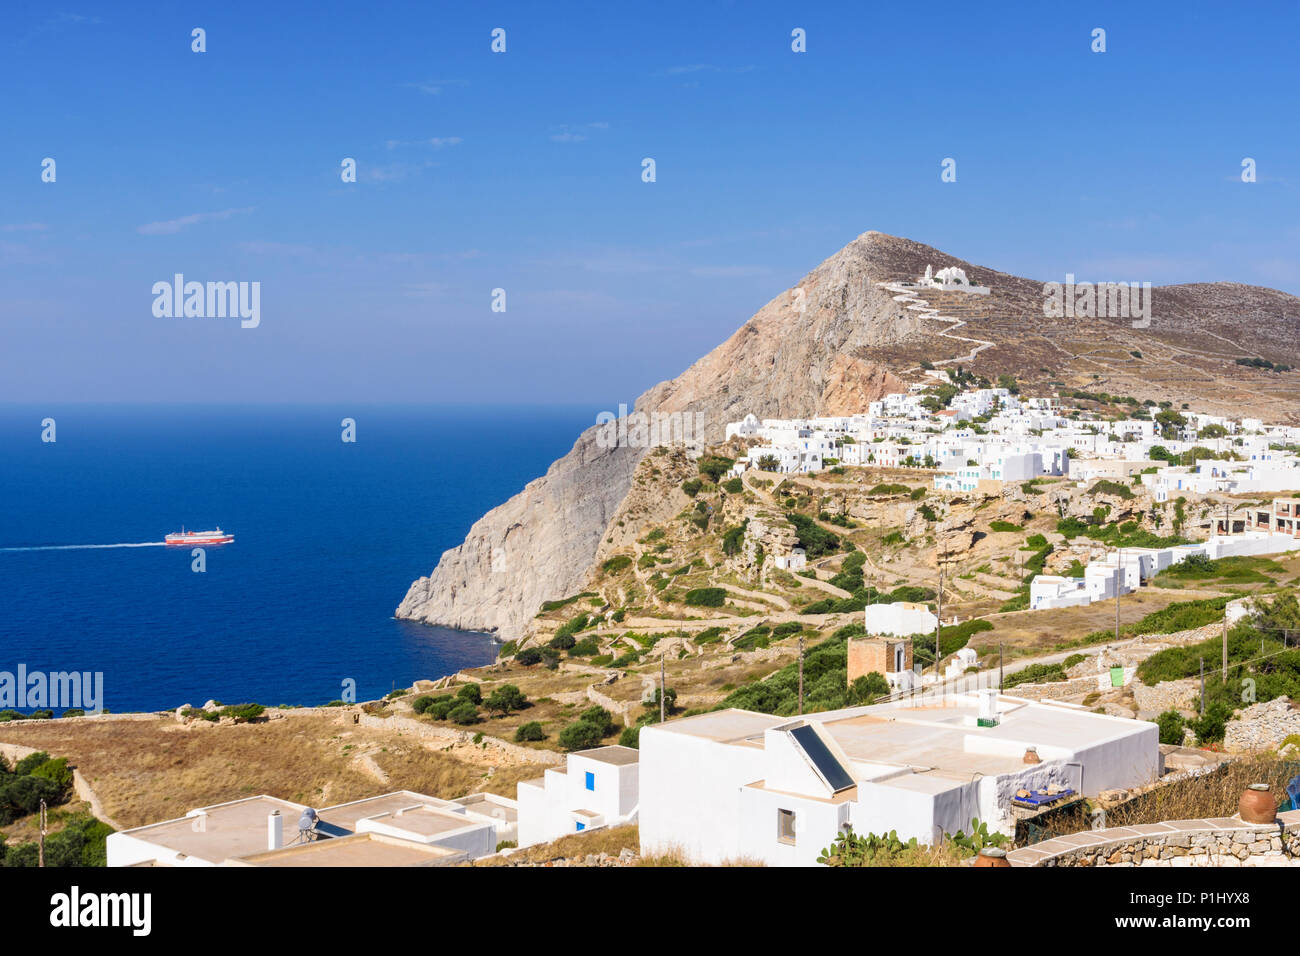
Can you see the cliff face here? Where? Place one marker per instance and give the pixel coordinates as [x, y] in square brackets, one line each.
[806, 352]
[831, 345]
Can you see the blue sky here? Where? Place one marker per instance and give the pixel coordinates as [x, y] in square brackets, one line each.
[522, 171]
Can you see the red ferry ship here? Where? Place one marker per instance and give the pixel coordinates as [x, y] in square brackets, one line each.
[199, 538]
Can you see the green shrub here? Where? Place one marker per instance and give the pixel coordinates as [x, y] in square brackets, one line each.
[734, 486]
[470, 692]
[706, 597]
[562, 642]
[506, 698]
[531, 731]
[1171, 727]
[1004, 526]
[528, 657]
[630, 737]
[580, 735]
[242, 713]
[463, 713]
[620, 562]
[421, 704]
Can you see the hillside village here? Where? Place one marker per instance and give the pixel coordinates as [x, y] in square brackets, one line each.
[778, 600]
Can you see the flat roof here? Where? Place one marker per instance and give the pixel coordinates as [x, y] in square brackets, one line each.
[359, 849]
[346, 815]
[724, 726]
[224, 830]
[929, 741]
[614, 754]
[426, 820]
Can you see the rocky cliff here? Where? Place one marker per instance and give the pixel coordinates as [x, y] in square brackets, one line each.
[831, 345]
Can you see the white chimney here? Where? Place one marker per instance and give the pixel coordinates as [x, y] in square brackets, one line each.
[988, 707]
[274, 831]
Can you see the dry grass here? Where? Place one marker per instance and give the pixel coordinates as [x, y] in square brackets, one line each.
[1026, 633]
[149, 770]
[1215, 794]
[611, 840]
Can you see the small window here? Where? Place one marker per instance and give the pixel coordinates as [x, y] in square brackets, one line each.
[582, 826]
[785, 826]
[591, 780]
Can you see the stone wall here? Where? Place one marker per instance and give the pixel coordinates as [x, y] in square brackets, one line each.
[1167, 695]
[1131, 846]
[1262, 726]
[1055, 690]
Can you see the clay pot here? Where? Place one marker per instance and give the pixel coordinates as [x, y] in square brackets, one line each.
[1031, 756]
[992, 856]
[1257, 804]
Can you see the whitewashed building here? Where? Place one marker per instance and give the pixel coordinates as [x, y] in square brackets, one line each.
[596, 788]
[736, 785]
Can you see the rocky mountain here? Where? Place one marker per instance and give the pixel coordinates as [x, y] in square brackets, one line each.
[834, 343]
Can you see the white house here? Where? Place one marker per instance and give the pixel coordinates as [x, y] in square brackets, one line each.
[796, 560]
[597, 788]
[899, 619]
[395, 829]
[733, 784]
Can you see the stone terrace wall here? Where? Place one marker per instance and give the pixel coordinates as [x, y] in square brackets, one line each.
[1262, 726]
[1129, 846]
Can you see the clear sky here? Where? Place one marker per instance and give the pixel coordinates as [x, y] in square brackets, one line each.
[522, 170]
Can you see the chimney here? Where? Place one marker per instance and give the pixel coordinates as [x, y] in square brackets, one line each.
[988, 707]
[274, 831]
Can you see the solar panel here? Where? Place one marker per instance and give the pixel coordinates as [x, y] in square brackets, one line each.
[832, 771]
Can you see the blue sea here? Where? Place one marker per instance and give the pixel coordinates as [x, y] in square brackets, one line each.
[328, 535]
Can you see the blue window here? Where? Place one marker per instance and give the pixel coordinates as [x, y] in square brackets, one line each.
[591, 780]
[582, 826]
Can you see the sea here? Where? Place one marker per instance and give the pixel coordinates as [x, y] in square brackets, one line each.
[328, 535]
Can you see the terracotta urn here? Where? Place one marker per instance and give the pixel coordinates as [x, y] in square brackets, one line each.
[1031, 756]
[992, 856]
[1257, 804]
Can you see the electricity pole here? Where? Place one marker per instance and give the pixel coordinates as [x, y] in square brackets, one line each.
[41, 848]
[1119, 586]
[801, 674]
[661, 687]
[1225, 645]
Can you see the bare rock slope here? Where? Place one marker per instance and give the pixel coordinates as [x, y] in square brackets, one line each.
[831, 345]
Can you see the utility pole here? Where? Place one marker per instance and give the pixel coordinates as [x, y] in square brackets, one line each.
[41, 848]
[1225, 645]
[1119, 586]
[801, 674]
[661, 687]
[1202, 686]
[999, 665]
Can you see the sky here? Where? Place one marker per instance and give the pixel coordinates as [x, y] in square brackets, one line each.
[523, 171]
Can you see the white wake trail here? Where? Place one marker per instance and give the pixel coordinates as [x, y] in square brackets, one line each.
[82, 547]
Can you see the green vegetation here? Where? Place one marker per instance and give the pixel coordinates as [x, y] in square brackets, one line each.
[813, 538]
[564, 602]
[1105, 486]
[852, 850]
[1237, 570]
[825, 674]
[620, 562]
[715, 466]
[591, 727]
[79, 843]
[1004, 526]
[1171, 726]
[1035, 674]
[706, 597]
[531, 731]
